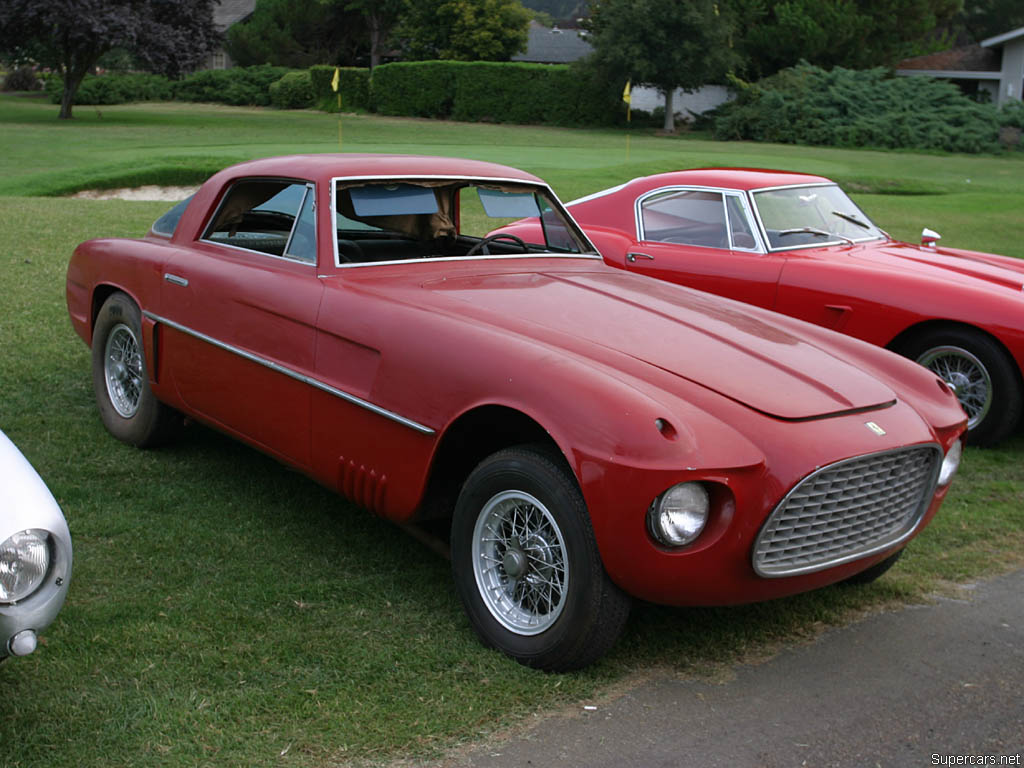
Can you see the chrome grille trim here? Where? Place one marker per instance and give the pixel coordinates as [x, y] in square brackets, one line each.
[848, 510]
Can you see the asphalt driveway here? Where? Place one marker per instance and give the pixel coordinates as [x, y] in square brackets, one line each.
[939, 684]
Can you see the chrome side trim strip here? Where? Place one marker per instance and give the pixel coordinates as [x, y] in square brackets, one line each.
[277, 367]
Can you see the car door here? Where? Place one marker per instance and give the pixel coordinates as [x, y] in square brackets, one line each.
[240, 307]
[704, 239]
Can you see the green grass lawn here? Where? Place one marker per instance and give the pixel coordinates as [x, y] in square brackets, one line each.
[227, 611]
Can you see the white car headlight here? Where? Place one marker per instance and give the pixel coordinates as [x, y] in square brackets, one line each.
[678, 515]
[950, 463]
[24, 561]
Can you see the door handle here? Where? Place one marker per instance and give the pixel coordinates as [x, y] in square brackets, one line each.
[176, 280]
[632, 257]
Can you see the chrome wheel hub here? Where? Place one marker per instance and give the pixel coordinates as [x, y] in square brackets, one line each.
[122, 370]
[519, 562]
[966, 375]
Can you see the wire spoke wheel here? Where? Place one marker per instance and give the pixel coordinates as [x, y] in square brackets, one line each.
[122, 370]
[966, 375]
[519, 562]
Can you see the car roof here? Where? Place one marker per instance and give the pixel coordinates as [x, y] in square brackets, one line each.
[328, 166]
[734, 178]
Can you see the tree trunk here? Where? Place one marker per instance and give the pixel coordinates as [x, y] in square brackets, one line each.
[375, 40]
[670, 117]
[72, 79]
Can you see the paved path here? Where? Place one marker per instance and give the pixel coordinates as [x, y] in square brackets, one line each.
[914, 687]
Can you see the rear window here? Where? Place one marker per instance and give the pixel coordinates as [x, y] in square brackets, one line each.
[167, 223]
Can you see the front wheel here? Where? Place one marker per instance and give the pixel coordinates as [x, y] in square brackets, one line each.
[526, 564]
[127, 405]
[981, 374]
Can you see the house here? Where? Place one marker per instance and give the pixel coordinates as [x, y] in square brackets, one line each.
[995, 66]
[227, 13]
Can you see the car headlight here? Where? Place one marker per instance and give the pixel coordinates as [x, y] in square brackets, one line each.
[678, 515]
[24, 561]
[951, 463]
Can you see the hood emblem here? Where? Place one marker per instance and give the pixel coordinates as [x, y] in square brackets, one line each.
[874, 428]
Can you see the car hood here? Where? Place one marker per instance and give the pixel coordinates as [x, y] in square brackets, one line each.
[946, 264]
[731, 348]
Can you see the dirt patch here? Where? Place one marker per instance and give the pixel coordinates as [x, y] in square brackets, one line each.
[148, 192]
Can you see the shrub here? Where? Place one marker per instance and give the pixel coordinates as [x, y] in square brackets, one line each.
[353, 85]
[239, 86]
[507, 92]
[114, 88]
[22, 79]
[293, 91]
[849, 108]
[414, 89]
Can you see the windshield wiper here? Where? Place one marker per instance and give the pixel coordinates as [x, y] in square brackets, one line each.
[815, 231]
[852, 219]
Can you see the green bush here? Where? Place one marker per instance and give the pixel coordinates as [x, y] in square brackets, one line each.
[293, 91]
[114, 88]
[505, 92]
[353, 85]
[414, 89]
[239, 86]
[850, 108]
[22, 79]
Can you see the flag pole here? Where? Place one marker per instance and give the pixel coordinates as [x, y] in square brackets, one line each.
[627, 96]
[335, 83]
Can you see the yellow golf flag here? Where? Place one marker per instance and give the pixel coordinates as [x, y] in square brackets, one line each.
[335, 80]
[626, 92]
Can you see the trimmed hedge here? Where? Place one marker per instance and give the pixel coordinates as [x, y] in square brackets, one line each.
[858, 108]
[502, 92]
[293, 91]
[353, 85]
[238, 86]
[115, 88]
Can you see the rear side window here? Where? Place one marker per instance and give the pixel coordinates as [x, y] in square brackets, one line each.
[167, 223]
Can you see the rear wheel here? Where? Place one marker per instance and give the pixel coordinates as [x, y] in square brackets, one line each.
[981, 374]
[526, 564]
[127, 405]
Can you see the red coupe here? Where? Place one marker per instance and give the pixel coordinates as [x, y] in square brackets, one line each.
[591, 435]
[798, 245]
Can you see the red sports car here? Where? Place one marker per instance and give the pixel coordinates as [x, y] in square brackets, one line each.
[591, 435]
[798, 245]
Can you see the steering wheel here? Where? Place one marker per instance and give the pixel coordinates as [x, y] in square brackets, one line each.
[482, 245]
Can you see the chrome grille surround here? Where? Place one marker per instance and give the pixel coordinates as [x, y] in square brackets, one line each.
[848, 510]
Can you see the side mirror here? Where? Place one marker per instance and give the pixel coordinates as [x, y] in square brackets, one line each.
[929, 237]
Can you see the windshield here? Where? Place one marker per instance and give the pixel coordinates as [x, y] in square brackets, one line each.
[795, 217]
[378, 221]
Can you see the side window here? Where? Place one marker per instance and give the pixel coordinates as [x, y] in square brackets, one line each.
[687, 217]
[740, 231]
[264, 215]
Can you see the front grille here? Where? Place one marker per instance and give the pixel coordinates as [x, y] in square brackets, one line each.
[847, 510]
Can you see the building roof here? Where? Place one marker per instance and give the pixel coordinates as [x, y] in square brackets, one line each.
[994, 42]
[554, 46]
[229, 12]
[968, 58]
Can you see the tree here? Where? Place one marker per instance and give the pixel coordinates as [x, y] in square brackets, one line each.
[669, 44]
[380, 17]
[856, 34]
[297, 33]
[166, 36]
[465, 30]
[987, 18]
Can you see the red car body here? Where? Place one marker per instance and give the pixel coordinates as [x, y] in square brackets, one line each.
[397, 381]
[959, 312]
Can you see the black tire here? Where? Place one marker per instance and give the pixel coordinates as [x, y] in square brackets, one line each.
[982, 374]
[128, 408]
[874, 572]
[543, 565]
